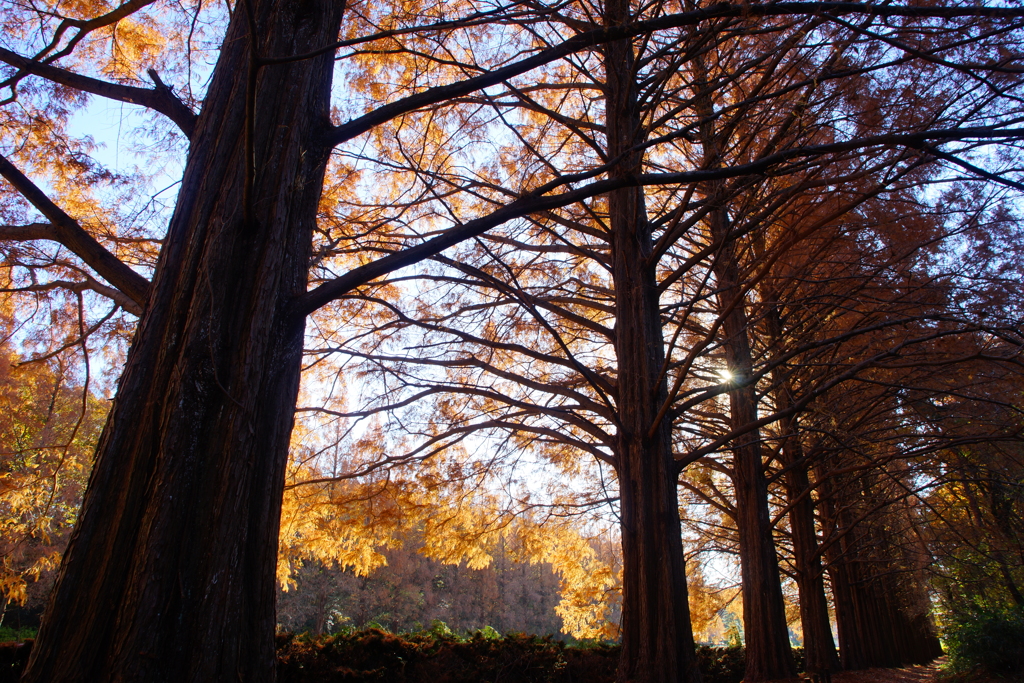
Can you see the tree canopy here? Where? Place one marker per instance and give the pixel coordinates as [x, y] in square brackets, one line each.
[657, 247]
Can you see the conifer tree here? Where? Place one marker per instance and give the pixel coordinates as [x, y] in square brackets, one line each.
[174, 548]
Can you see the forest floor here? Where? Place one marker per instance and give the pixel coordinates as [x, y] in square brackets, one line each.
[926, 673]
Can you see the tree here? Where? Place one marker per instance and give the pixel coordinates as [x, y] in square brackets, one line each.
[448, 511]
[48, 425]
[527, 351]
[835, 319]
[178, 528]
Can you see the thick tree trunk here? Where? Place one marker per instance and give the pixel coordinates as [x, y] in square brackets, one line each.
[170, 573]
[819, 647]
[766, 634]
[657, 640]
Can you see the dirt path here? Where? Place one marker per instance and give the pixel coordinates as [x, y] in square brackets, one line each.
[927, 673]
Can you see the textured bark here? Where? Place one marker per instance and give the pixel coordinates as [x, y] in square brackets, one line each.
[170, 573]
[766, 634]
[657, 640]
[819, 646]
[879, 623]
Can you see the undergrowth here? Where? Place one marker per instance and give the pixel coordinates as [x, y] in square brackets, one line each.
[985, 641]
[438, 655]
[8, 634]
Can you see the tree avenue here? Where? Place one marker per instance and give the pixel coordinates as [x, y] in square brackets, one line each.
[648, 140]
[511, 335]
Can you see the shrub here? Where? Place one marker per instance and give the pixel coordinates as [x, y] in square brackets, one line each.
[437, 655]
[985, 639]
[8, 634]
[373, 655]
[721, 664]
[365, 655]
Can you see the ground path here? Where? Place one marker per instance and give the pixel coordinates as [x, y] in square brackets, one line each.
[926, 673]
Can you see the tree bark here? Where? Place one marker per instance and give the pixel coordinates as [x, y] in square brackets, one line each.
[657, 640]
[819, 646]
[766, 634]
[881, 612]
[170, 574]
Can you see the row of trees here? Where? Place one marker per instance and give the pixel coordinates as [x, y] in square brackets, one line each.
[753, 250]
[414, 593]
[793, 322]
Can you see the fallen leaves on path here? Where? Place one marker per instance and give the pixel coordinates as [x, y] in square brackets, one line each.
[926, 673]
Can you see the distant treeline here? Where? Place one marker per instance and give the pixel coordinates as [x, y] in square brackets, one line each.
[413, 591]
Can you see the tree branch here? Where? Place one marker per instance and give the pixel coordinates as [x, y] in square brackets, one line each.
[27, 233]
[68, 232]
[589, 39]
[159, 99]
[536, 200]
[115, 295]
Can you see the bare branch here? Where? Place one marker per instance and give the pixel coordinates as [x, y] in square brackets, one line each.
[115, 295]
[535, 201]
[590, 39]
[74, 237]
[159, 99]
[27, 233]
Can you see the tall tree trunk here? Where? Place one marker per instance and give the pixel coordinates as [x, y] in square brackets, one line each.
[170, 573]
[657, 639]
[862, 629]
[881, 610]
[766, 634]
[819, 646]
